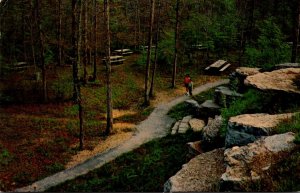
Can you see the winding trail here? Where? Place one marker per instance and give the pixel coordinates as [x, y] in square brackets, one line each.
[157, 125]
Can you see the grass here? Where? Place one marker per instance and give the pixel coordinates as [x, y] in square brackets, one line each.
[291, 125]
[144, 169]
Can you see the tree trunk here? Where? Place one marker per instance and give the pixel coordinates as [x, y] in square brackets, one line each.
[109, 115]
[59, 34]
[75, 63]
[156, 49]
[85, 51]
[95, 41]
[146, 97]
[296, 33]
[31, 34]
[42, 48]
[176, 45]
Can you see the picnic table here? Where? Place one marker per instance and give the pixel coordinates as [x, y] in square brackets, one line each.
[219, 65]
[115, 59]
[123, 52]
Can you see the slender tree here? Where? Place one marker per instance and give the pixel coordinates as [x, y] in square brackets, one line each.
[42, 47]
[95, 39]
[146, 96]
[109, 115]
[156, 50]
[59, 32]
[176, 45]
[296, 32]
[85, 43]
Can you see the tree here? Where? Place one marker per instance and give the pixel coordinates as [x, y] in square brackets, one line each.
[156, 50]
[42, 48]
[176, 45]
[95, 39]
[109, 115]
[75, 63]
[296, 32]
[146, 95]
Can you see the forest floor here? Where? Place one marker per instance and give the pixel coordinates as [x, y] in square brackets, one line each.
[38, 140]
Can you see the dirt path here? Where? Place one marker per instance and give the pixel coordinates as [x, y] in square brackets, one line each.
[155, 126]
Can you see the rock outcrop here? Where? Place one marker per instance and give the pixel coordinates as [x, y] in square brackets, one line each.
[184, 124]
[246, 165]
[211, 130]
[200, 174]
[247, 71]
[277, 80]
[244, 129]
[224, 96]
[196, 124]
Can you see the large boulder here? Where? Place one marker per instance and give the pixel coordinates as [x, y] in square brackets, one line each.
[246, 165]
[200, 174]
[287, 65]
[277, 80]
[244, 129]
[224, 96]
[237, 78]
[196, 124]
[184, 124]
[211, 134]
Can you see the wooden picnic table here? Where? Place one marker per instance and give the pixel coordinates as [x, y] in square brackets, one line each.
[115, 59]
[123, 51]
[219, 65]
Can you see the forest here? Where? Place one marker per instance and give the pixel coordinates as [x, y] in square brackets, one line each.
[79, 75]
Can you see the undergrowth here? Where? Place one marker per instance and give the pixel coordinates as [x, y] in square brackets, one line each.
[155, 161]
[292, 125]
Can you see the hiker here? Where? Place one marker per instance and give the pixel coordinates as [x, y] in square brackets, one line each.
[188, 85]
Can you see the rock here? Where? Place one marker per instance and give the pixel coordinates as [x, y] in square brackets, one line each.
[184, 124]
[211, 130]
[277, 80]
[175, 128]
[200, 174]
[247, 164]
[192, 103]
[247, 71]
[194, 148]
[244, 129]
[208, 109]
[224, 96]
[196, 124]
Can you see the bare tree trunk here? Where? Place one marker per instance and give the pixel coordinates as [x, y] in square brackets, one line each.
[146, 96]
[31, 34]
[59, 33]
[156, 49]
[176, 45]
[296, 33]
[85, 51]
[75, 62]
[109, 115]
[42, 49]
[95, 40]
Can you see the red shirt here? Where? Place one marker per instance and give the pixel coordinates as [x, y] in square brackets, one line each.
[187, 80]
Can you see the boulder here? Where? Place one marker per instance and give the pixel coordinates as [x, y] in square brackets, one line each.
[200, 174]
[193, 106]
[247, 71]
[211, 130]
[175, 128]
[194, 148]
[224, 96]
[196, 124]
[184, 124]
[246, 165]
[208, 109]
[244, 129]
[277, 80]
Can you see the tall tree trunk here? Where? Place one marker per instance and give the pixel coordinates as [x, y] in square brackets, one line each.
[146, 95]
[296, 33]
[59, 34]
[95, 40]
[42, 48]
[156, 50]
[176, 45]
[85, 46]
[75, 63]
[31, 33]
[109, 115]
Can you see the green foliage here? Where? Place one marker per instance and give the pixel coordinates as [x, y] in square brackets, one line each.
[72, 110]
[292, 125]
[270, 48]
[5, 157]
[166, 48]
[179, 111]
[62, 88]
[55, 167]
[251, 102]
[151, 161]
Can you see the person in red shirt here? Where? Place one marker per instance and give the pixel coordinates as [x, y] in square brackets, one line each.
[188, 84]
